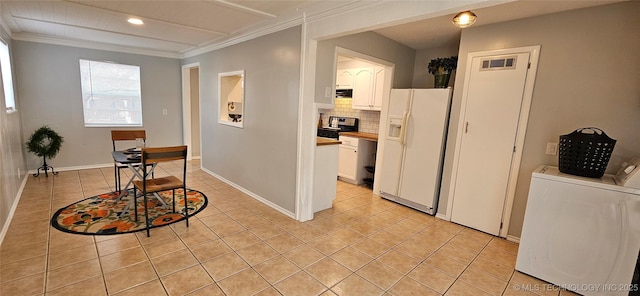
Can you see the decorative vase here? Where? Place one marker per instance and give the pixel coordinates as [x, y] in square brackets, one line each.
[441, 79]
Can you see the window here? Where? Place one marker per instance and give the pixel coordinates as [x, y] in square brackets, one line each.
[7, 80]
[110, 94]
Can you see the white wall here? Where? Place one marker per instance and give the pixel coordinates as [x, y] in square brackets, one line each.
[588, 75]
[261, 157]
[48, 80]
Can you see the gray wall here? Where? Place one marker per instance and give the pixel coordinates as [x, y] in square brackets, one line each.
[262, 156]
[588, 75]
[12, 157]
[421, 76]
[48, 79]
[368, 43]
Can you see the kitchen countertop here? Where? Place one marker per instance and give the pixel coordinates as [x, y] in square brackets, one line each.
[366, 136]
[320, 141]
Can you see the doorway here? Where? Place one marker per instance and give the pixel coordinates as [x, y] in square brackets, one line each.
[370, 119]
[495, 107]
[191, 109]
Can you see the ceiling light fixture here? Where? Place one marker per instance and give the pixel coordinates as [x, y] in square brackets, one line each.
[464, 19]
[135, 21]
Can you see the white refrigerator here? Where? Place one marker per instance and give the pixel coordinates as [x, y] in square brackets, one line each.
[414, 143]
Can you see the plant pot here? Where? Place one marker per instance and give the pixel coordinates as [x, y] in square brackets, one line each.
[441, 79]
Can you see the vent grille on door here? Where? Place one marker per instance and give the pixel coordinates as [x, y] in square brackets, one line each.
[503, 63]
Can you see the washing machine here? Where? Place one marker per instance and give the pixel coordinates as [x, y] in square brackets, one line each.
[582, 234]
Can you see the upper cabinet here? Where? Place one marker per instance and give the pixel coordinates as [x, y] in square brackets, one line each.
[344, 79]
[368, 85]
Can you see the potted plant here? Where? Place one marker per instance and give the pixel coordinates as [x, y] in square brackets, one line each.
[441, 69]
[46, 143]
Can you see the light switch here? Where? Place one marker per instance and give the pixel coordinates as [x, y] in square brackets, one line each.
[327, 92]
[552, 148]
[164, 111]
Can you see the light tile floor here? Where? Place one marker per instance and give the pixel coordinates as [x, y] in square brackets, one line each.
[364, 245]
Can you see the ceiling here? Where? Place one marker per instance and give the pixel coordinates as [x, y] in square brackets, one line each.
[440, 32]
[175, 27]
[170, 26]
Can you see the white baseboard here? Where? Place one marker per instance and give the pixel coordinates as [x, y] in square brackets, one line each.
[255, 196]
[16, 200]
[512, 238]
[75, 168]
[443, 216]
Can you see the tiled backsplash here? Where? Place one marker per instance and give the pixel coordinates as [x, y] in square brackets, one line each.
[369, 120]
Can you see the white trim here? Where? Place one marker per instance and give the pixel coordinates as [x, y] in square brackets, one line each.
[514, 239]
[247, 192]
[305, 150]
[233, 41]
[222, 104]
[534, 52]
[76, 168]
[443, 217]
[186, 106]
[16, 200]
[92, 45]
[520, 136]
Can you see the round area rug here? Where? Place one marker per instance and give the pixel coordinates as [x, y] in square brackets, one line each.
[101, 214]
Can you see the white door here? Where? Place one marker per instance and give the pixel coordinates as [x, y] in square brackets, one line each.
[489, 125]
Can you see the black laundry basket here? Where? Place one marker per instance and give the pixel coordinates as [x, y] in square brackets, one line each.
[585, 152]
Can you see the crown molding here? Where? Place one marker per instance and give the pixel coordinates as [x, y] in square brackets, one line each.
[92, 45]
[292, 22]
[242, 38]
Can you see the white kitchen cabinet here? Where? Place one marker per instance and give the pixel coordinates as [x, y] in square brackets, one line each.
[368, 84]
[344, 79]
[347, 163]
[354, 154]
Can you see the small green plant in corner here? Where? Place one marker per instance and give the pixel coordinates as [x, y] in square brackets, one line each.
[442, 65]
[45, 143]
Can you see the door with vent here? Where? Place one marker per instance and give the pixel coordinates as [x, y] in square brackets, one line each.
[489, 125]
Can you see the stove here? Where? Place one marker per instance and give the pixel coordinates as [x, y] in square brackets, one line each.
[338, 124]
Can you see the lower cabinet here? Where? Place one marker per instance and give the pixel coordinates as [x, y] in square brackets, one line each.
[353, 155]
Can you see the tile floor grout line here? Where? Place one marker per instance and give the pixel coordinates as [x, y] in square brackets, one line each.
[355, 208]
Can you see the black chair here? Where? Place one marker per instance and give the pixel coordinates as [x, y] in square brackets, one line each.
[150, 158]
[124, 136]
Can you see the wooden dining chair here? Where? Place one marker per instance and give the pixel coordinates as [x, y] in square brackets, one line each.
[124, 136]
[150, 158]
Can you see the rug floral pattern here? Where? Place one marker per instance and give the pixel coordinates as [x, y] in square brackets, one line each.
[102, 214]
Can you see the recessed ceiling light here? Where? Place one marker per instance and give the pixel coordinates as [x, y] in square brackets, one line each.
[135, 21]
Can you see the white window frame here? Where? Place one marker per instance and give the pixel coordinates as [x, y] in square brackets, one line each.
[7, 77]
[106, 105]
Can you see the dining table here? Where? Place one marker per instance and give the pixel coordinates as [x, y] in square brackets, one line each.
[132, 158]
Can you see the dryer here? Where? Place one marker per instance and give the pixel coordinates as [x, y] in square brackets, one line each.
[582, 234]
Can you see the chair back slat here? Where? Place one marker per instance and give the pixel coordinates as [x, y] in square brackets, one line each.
[162, 154]
[124, 135]
[127, 135]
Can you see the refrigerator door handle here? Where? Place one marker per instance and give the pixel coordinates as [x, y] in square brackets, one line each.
[403, 128]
